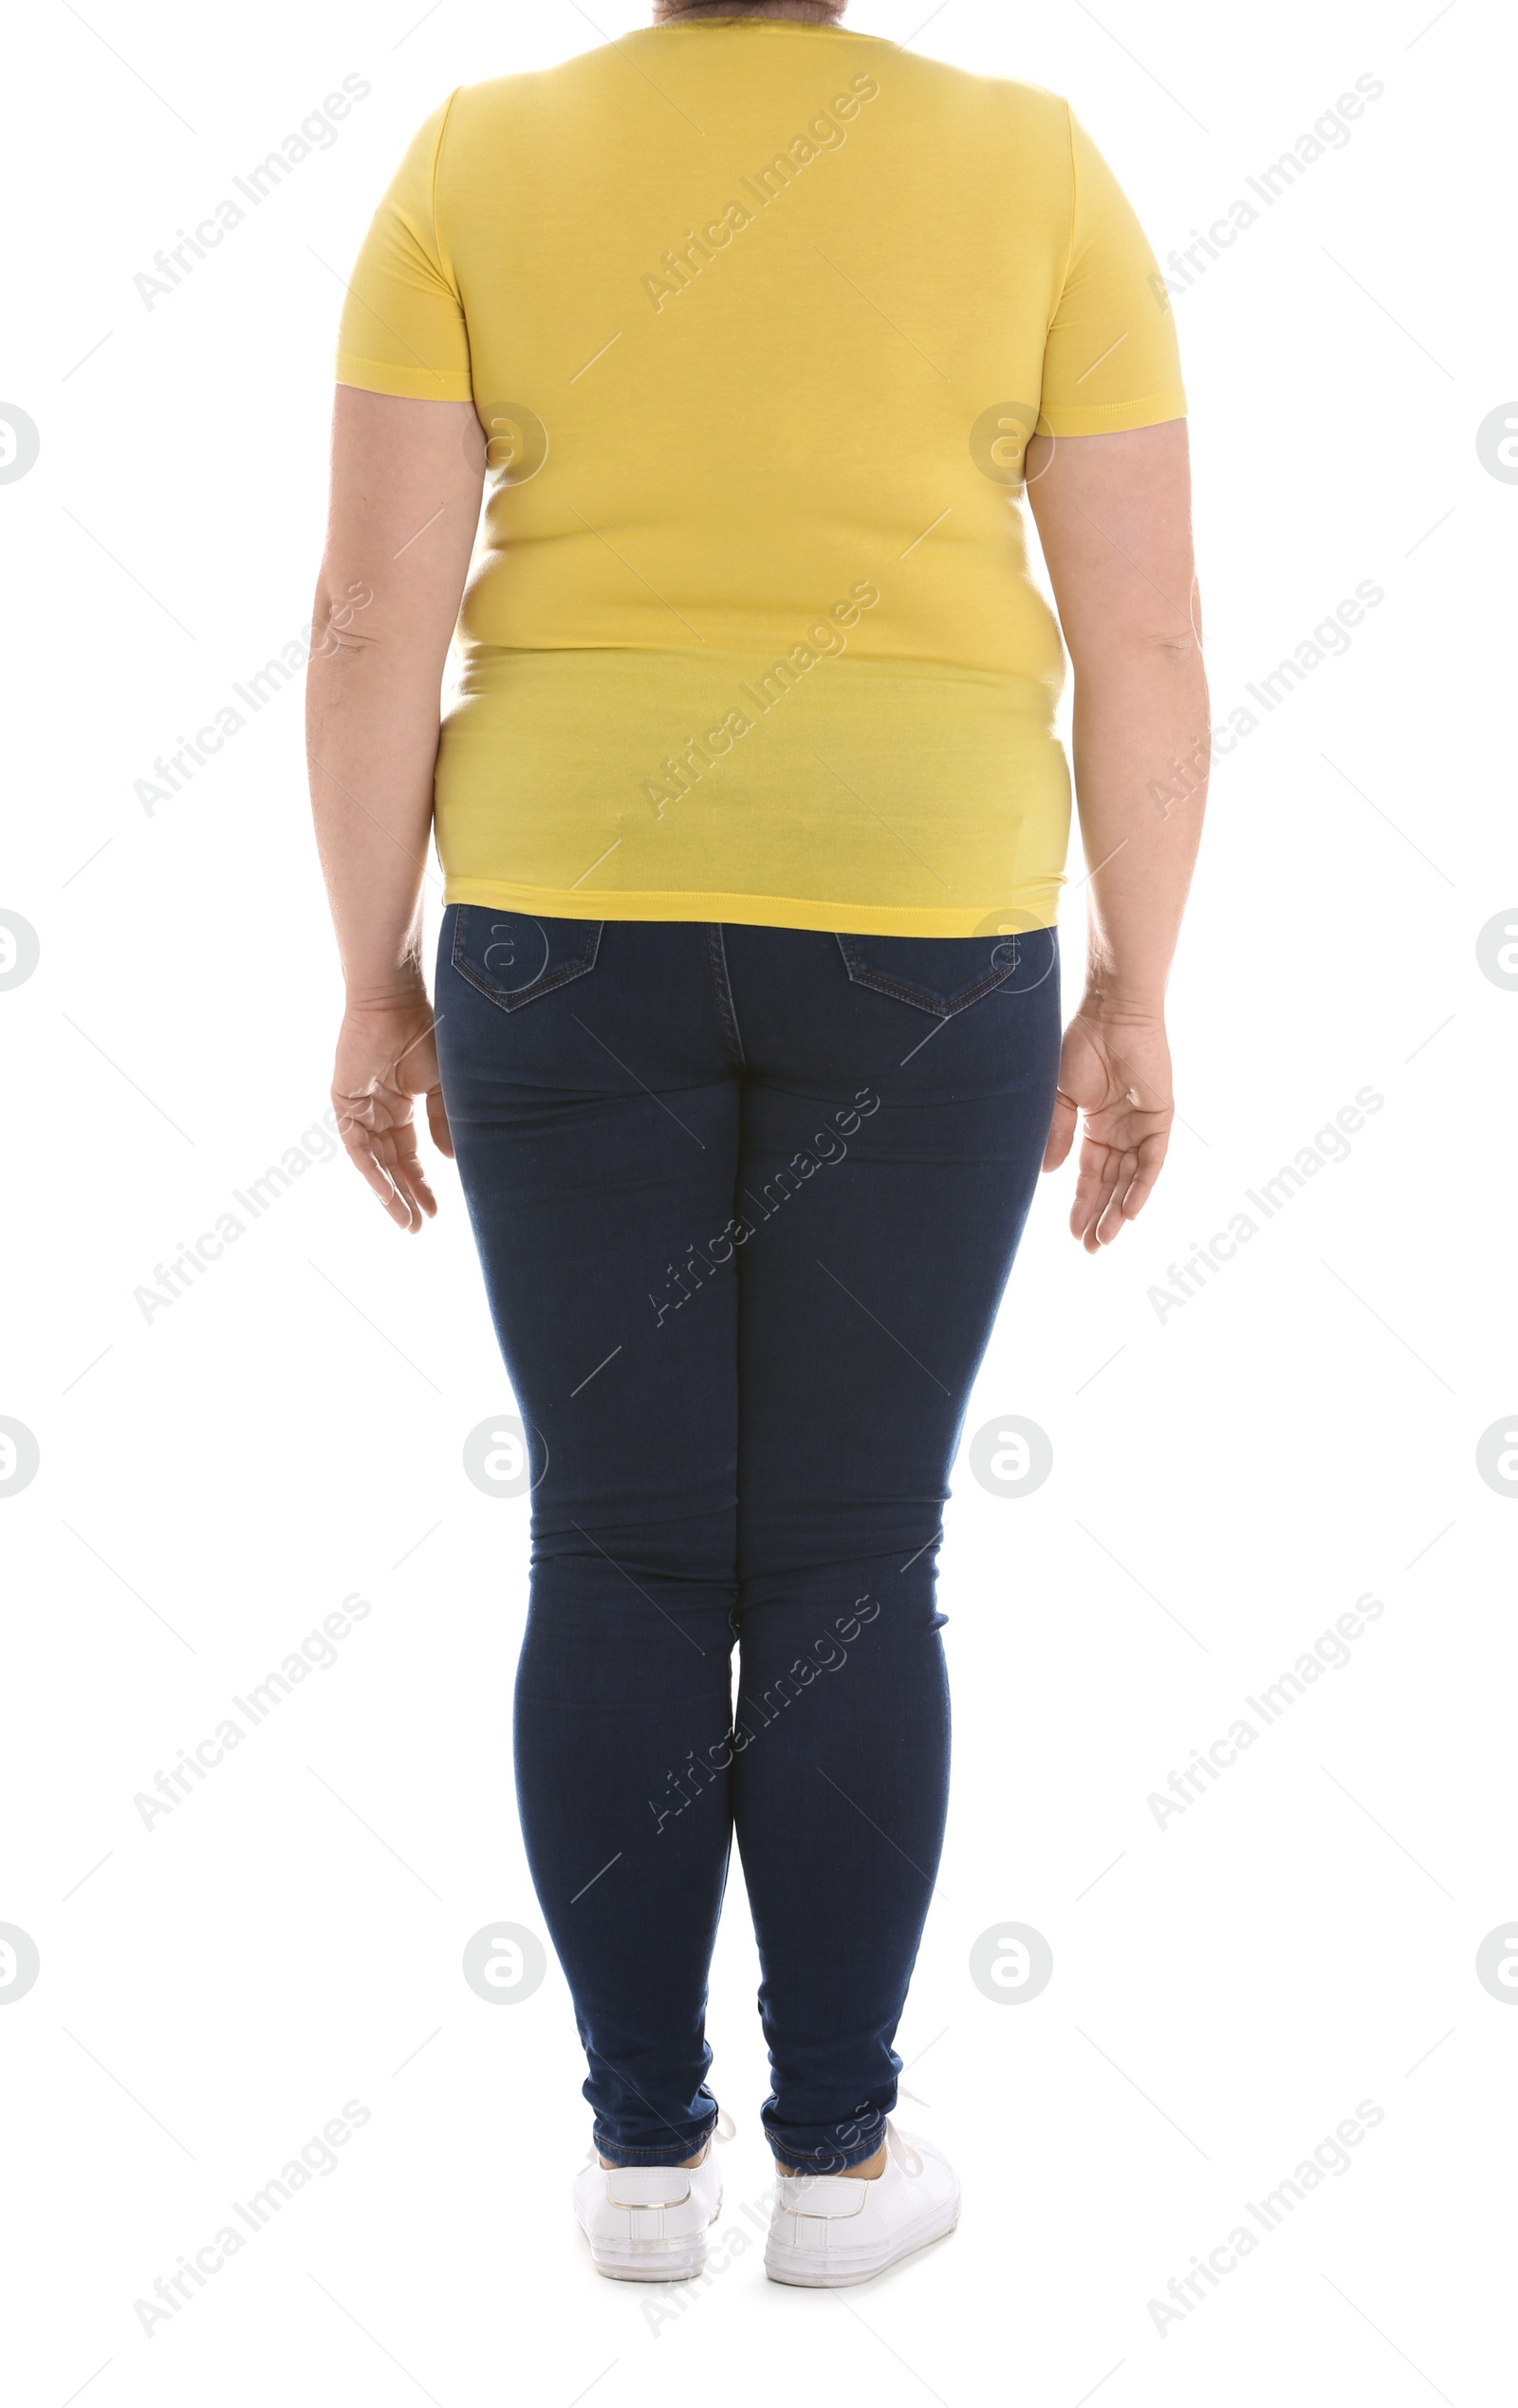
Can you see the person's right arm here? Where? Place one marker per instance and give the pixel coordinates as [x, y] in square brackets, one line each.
[1113, 514]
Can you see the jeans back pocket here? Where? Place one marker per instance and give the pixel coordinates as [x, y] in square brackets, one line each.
[513, 958]
[945, 975]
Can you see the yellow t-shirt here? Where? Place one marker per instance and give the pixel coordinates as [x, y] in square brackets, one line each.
[758, 315]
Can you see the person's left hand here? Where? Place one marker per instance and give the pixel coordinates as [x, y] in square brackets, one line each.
[386, 1055]
[1115, 1069]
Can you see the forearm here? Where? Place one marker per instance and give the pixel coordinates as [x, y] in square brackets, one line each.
[1141, 749]
[372, 726]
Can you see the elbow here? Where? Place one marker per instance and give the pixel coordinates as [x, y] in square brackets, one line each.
[1158, 626]
[1168, 654]
[1177, 645]
[337, 621]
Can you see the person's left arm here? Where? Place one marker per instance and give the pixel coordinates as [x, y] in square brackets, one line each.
[406, 483]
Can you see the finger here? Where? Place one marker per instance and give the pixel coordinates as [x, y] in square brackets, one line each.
[372, 1154]
[1088, 1188]
[382, 1183]
[1151, 1156]
[442, 1136]
[421, 1205]
[396, 1151]
[1094, 1190]
[399, 1147]
[1100, 1157]
[1111, 1220]
[412, 1182]
[1062, 1132]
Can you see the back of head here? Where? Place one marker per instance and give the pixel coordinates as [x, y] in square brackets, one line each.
[696, 11]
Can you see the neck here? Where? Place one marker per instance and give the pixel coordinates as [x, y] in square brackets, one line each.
[706, 11]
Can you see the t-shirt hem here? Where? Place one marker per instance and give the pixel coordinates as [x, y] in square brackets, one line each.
[405, 385]
[1113, 417]
[1036, 905]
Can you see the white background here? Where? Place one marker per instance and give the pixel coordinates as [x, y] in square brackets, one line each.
[1227, 1481]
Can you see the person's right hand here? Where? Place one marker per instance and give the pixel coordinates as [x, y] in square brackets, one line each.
[1115, 1069]
[387, 1054]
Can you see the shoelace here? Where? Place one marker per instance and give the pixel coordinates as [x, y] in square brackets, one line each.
[901, 2149]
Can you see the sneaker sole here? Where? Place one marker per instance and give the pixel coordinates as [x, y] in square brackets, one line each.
[839, 2270]
[653, 2261]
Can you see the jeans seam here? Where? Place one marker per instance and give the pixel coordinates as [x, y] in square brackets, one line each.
[717, 955]
[859, 2155]
[636, 2157]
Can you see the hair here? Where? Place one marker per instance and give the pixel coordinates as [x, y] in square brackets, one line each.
[809, 11]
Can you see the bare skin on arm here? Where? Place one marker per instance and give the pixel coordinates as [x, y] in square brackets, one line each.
[406, 483]
[1113, 514]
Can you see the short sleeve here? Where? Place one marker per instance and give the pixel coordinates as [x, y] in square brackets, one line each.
[1111, 359]
[403, 331]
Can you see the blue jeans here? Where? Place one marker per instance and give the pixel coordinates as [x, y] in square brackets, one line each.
[746, 1200]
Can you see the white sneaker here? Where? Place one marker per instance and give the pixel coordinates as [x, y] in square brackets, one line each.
[830, 2230]
[648, 2224]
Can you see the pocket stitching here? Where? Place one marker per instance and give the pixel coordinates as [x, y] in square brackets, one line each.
[920, 998]
[577, 967]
